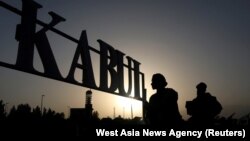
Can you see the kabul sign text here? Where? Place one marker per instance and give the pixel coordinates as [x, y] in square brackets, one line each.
[111, 60]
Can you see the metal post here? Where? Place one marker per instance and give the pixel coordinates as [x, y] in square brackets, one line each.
[69, 111]
[42, 105]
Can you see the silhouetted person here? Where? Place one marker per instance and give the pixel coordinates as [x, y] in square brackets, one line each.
[162, 109]
[203, 108]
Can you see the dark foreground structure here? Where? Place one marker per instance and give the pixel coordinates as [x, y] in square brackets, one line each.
[26, 122]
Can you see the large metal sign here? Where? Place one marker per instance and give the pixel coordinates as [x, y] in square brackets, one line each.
[111, 60]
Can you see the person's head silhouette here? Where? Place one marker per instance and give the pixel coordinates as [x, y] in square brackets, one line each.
[158, 81]
[201, 88]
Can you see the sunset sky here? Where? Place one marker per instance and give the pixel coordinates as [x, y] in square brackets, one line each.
[188, 41]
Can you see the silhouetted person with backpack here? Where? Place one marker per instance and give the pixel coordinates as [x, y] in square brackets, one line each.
[204, 108]
[162, 109]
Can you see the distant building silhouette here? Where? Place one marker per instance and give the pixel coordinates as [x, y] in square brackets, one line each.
[83, 114]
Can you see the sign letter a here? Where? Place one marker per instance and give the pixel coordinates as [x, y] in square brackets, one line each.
[87, 73]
